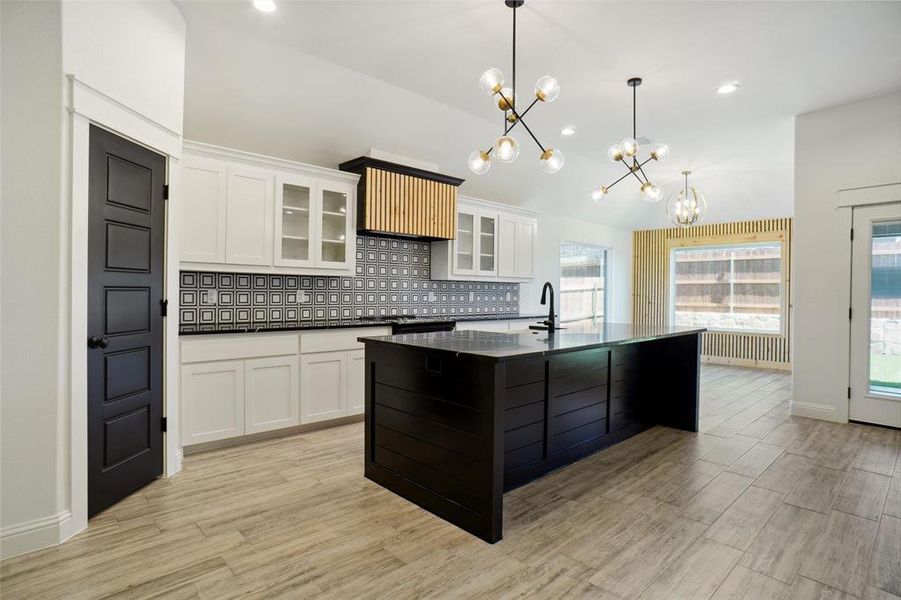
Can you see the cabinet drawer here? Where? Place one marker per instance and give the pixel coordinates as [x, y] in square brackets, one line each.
[238, 346]
[344, 339]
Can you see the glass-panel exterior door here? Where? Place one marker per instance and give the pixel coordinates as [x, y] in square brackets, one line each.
[293, 244]
[876, 315]
[583, 283]
[487, 245]
[335, 226]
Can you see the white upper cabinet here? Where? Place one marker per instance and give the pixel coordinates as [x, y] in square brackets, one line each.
[244, 212]
[334, 225]
[248, 216]
[506, 251]
[203, 210]
[487, 226]
[493, 243]
[526, 238]
[294, 219]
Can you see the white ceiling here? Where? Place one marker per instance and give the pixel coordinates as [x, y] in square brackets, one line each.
[323, 82]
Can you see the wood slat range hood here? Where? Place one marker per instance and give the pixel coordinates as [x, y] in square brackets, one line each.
[395, 199]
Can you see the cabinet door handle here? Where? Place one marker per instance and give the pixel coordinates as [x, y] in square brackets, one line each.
[98, 342]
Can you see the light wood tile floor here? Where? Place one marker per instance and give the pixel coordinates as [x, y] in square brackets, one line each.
[758, 505]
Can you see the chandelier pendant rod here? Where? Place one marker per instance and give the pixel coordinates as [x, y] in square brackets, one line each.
[514, 59]
[635, 121]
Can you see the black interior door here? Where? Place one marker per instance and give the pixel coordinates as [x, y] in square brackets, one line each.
[125, 324]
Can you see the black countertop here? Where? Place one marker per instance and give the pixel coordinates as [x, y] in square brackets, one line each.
[520, 344]
[269, 326]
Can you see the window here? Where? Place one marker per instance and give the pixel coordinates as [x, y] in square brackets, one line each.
[734, 288]
[583, 282]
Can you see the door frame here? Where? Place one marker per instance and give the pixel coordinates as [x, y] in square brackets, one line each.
[87, 106]
[845, 201]
[860, 329]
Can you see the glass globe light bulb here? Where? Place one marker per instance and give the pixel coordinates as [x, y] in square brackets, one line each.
[502, 99]
[630, 147]
[479, 162]
[599, 194]
[651, 192]
[491, 81]
[506, 148]
[547, 89]
[659, 151]
[551, 160]
[615, 152]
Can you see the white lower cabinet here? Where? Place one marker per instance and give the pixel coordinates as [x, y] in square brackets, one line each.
[323, 386]
[212, 401]
[270, 393]
[356, 382]
[239, 384]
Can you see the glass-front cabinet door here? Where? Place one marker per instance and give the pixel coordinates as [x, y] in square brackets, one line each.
[293, 219]
[335, 226]
[465, 244]
[487, 245]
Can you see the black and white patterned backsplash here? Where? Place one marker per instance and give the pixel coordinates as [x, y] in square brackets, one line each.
[392, 278]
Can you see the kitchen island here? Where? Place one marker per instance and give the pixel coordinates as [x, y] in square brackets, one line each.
[454, 419]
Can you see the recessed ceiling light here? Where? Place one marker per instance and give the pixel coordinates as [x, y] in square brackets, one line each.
[266, 6]
[567, 131]
[727, 89]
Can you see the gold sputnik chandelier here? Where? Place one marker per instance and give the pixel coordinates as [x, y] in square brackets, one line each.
[626, 152]
[506, 148]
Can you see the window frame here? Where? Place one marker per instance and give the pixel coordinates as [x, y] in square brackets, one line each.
[607, 276]
[742, 240]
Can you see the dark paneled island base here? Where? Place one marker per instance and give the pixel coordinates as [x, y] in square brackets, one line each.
[455, 419]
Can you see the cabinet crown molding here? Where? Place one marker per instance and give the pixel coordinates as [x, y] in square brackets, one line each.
[472, 202]
[205, 150]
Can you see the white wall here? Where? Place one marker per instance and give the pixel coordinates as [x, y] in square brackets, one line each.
[131, 54]
[854, 145]
[32, 272]
[552, 230]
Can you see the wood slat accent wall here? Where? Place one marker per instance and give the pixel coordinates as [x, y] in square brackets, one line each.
[650, 287]
[397, 203]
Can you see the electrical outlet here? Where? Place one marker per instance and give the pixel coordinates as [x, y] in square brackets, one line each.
[509, 296]
[433, 297]
[303, 297]
[209, 297]
[472, 296]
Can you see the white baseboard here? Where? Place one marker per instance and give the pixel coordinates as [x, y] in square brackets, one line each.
[36, 534]
[825, 412]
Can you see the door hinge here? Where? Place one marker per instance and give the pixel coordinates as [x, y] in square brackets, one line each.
[166, 192]
[849, 313]
[163, 424]
[164, 308]
[852, 234]
[849, 393]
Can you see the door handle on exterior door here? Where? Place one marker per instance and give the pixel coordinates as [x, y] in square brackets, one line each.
[98, 342]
